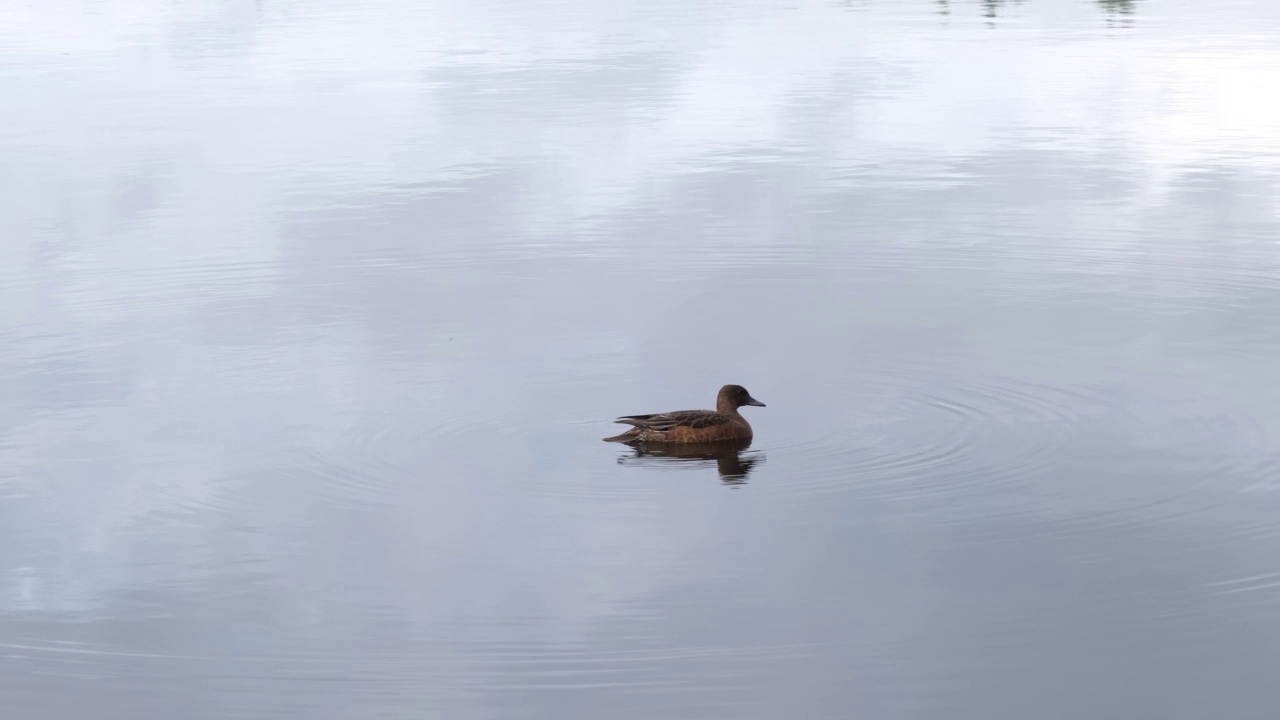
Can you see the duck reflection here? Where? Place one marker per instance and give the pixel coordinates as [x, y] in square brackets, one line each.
[730, 457]
[1122, 7]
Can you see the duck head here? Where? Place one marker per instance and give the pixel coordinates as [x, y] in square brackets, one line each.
[732, 397]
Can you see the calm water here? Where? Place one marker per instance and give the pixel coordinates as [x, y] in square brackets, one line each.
[313, 315]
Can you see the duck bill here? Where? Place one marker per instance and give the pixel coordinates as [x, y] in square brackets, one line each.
[755, 402]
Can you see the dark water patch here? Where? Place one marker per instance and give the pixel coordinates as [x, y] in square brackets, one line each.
[731, 460]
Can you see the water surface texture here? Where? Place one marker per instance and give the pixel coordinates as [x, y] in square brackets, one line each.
[313, 314]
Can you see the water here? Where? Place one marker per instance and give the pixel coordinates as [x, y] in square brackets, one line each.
[314, 314]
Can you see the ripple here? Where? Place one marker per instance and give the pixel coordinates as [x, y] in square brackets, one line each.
[370, 463]
[1204, 456]
[1076, 458]
[497, 666]
[979, 434]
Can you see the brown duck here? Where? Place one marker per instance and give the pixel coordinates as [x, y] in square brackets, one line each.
[693, 426]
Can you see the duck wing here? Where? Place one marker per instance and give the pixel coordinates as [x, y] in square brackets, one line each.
[668, 420]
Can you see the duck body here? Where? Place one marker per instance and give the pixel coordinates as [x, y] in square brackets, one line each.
[693, 426]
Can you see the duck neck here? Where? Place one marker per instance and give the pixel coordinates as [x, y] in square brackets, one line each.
[725, 406]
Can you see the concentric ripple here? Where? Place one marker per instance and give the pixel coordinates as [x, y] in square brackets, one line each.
[1082, 457]
[372, 462]
[979, 433]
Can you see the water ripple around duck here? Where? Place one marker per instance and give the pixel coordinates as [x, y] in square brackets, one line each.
[1210, 453]
[935, 444]
[996, 447]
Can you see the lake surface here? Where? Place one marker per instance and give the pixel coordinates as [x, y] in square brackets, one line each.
[313, 315]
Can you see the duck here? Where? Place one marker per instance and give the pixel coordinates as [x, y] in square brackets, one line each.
[693, 426]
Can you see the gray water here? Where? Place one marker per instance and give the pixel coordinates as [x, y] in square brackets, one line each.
[313, 315]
